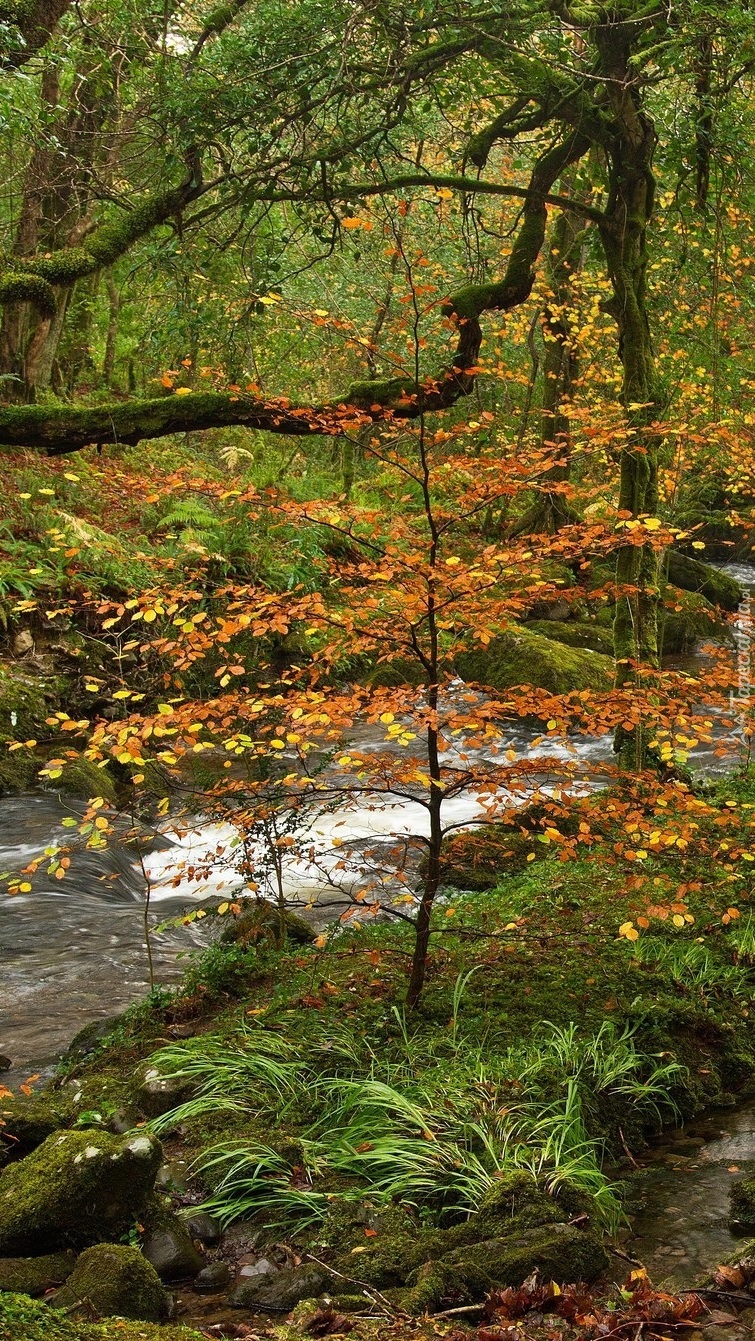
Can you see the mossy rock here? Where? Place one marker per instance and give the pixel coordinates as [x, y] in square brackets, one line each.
[559, 1252]
[575, 633]
[692, 575]
[115, 1280]
[35, 1275]
[82, 778]
[261, 920]
[77, 1188]
[520, 657]
[24, 1319]
[742, 1204]
[18, 771]
[514, 1206]
[23, 703]
[26, 1123]
[395, 674]
[687, 620]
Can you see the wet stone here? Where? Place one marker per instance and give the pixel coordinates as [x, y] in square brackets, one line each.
[215, 1276]
[204, 1227]
[263, 1267]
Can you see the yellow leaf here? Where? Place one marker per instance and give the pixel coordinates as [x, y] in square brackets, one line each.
[678, 920]
[652, 524]
[69, 475]
[150, 616]
[183, 390]
[25, 888]
[165, 710]
[278, 744]
[386, 717]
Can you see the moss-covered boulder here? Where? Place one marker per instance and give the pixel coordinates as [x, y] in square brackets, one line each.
[23, 702]
[688, 618]
[261, 920]
[520, 657]
[114, 1280]
[83, 779]
[575, 633]
[156, 1091]
[25, 1319]
[742, 1204]
[26, 1122]
[692, 575]
[398, 1247]
[559, 1252]
[35, 1275]
[77, 1188]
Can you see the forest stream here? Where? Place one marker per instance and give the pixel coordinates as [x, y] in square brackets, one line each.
[75, 952]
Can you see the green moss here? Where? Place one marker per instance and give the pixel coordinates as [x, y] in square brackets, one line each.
[692, 575]
[21, 288]
[76, 1188]
[521, 657]
[557, 1252]
[80, 777]
[688, 619]
[114, 1279]
[26, 1122]
[24, 1319]
[742, 1203]
[386, 392]
[575, 633]
[35, 1275]
[23, 703]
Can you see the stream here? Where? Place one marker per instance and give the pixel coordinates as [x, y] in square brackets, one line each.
[74, 951]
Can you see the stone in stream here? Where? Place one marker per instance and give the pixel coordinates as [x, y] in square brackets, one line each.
[280, 1291]
[215, 1276]
[114, 1280]
[742, 1204]
[35, 1275]
[169, 1247]
[203, 1227]
[5, 1062]
[77, 1188]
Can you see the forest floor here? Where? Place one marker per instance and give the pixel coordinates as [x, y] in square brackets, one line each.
[304, 1108]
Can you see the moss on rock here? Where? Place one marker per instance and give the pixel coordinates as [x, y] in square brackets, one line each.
[84, 779]
[24, 1319]
[575, 633]
[76, 1188]
[261, 920]
[521, 657]
[558, 1252]
[689, 619]
[114, 1280]
[26, 1122]
[692, 575]
[35, 1275]
[742, 1204]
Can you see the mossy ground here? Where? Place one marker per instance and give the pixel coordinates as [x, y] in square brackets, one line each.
[24, 1319]
[544, 942]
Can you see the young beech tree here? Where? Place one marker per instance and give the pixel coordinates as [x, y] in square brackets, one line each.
[414, 591]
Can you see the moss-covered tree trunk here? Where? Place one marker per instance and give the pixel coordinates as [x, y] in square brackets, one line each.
[625, 243]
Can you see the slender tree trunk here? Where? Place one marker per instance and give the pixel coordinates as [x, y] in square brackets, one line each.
[624, 237]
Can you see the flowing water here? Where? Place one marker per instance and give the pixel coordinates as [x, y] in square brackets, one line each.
[679, 1198]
